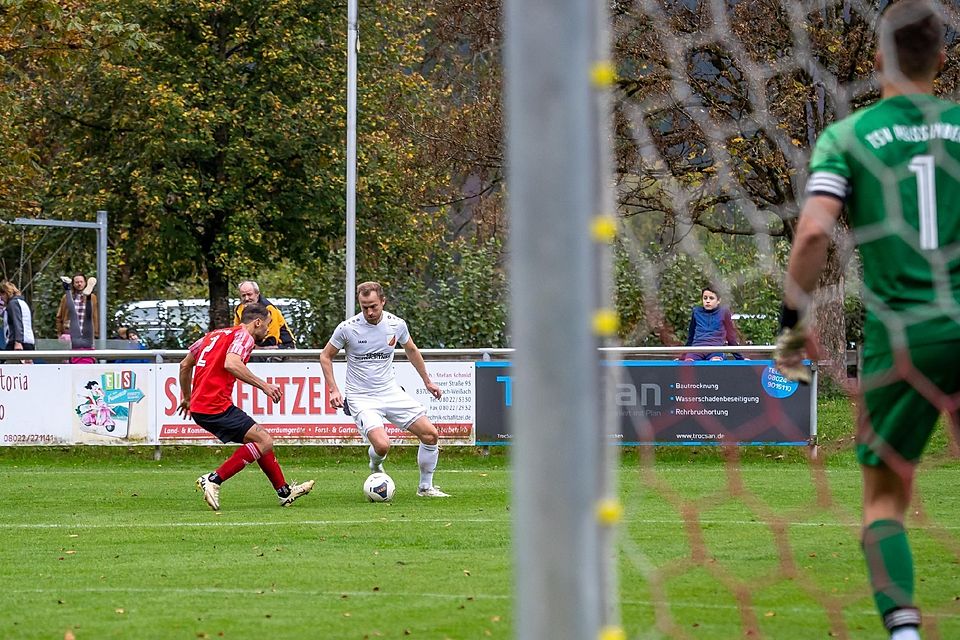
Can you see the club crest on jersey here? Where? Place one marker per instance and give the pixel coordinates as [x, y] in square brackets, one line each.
[392, 341]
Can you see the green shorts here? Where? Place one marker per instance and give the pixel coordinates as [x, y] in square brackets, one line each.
[899, 412]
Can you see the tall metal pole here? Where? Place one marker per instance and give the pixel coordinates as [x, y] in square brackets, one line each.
[102, 278]
[353, 48]
[558, 438]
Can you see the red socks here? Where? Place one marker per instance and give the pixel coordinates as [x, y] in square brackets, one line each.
[268, 463]
[240, 458]
[247, 454]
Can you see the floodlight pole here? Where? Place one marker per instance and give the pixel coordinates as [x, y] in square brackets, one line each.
[101, 226]
[554, 179]
[353, 48]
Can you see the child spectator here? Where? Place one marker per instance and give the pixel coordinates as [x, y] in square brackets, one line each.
[711, 325]
[130, 334]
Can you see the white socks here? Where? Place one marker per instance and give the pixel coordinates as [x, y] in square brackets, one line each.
[427, 460]
[905, 633]
[376, 462]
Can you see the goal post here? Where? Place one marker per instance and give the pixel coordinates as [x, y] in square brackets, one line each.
[559, 203]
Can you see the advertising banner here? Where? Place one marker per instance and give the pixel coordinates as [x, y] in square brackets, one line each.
[34, 405]
[304, 416]
[674, 402]
[137, 404]
[109, 405]
[70, 404]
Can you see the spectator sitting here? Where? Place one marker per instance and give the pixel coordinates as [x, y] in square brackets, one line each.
[124, 333]
[711, 325]
[278, 335]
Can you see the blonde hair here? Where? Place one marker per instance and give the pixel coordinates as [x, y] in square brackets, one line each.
[9, 289]
[366, 287]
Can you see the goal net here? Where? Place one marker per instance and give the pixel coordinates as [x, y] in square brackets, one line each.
[718, 104]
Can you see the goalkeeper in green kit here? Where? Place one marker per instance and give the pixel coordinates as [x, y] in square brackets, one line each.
[895, 167]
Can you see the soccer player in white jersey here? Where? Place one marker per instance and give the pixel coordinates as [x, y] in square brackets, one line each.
[372, 393]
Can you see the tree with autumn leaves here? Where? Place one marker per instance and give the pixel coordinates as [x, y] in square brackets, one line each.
[213, 133]
[214, 136]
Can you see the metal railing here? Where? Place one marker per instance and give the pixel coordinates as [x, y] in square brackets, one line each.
[172, 355]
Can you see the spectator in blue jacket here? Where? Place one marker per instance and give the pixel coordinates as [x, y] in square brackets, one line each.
[125, 333]
[711, 325]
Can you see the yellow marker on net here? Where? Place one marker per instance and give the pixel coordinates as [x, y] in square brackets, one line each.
[605, 322]
[603, 228]
[603, 74]
[609, 511]
[611, 632]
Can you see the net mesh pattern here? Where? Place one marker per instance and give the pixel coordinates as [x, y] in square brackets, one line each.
[719, 104]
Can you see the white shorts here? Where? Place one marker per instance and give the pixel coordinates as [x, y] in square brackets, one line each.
[370, 411]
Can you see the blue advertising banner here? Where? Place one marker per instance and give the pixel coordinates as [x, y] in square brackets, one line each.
[677, 403]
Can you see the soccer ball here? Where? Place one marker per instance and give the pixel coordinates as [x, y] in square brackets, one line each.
[379, 487]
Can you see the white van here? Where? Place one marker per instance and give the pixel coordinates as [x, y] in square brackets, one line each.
[175, 323]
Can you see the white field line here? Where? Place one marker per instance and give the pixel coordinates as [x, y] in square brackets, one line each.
[257, 523]
[345, 469]
[451, 520]
[406, 595]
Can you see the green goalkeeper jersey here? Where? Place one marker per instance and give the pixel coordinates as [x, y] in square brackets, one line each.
[896, 165]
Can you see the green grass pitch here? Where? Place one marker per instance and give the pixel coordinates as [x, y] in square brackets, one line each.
[112, 544]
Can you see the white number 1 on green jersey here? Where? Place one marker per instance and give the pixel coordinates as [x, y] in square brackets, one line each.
[924, 167]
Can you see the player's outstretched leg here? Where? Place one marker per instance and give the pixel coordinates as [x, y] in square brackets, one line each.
[258, 437]
[210, 483]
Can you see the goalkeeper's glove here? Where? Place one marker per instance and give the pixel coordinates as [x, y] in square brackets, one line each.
[790, 345]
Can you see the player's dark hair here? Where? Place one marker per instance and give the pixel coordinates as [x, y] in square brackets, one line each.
[910, 38]
[712, 289]
[366, 287]
[254, 311]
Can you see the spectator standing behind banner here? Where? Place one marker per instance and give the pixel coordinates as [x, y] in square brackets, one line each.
[17, 320]
[711, 325]
[278, 335]
[77, 315]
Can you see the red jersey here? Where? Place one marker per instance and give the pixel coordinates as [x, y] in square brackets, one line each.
[212, 384]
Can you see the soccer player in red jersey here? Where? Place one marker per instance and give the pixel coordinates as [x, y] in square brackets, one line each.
[207, 375]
